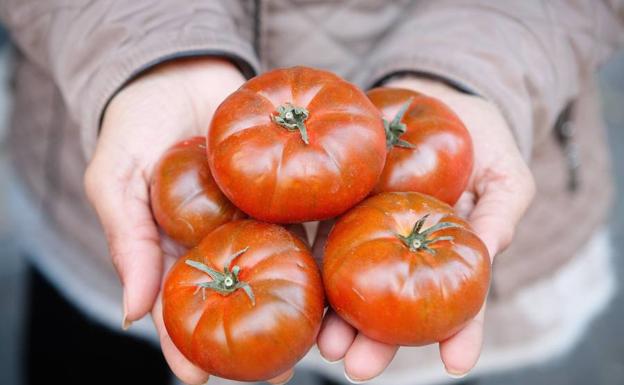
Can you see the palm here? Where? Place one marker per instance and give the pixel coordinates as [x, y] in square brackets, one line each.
[160, 108]
[177, 102]
[497, 195]
[141, 122]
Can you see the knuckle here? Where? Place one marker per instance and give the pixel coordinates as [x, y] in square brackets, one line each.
[506, 236]
[530, 185]
[527, 181]
[117, 261]
[90, 180]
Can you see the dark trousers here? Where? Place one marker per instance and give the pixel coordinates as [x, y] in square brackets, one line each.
[62, 346]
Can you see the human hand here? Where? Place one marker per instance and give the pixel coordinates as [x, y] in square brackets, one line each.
[499, 192]
[173, 102]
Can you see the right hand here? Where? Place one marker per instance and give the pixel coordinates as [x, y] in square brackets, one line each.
[498, 193]
[170, 103]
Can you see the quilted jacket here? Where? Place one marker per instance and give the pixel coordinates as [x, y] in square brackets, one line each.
[534, 59]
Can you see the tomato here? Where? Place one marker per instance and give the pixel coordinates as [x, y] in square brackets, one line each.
[404, 269]
[186, 201]
[296, 144]
[430, 150]
[246, 303]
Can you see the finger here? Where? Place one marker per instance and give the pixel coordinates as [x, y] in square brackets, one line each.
[181, 367]
[298, 230]
[310, 229]
[502, 200]
[322, 232]
[120, 198]
[465, 204]
[367, 358]
[170, 248]
[461, 352]
[335, 337]
[282, 378]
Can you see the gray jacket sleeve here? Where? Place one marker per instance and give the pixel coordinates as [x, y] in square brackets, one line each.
[529, 57]
[91, 48]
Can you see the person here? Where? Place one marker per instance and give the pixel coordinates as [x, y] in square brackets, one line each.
[102, 88]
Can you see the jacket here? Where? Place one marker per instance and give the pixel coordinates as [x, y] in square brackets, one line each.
[535, 60]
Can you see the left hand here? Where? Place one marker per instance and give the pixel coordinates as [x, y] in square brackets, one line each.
[499, 192]
[172, 102]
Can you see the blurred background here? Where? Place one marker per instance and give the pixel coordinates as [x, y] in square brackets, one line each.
[597, 359]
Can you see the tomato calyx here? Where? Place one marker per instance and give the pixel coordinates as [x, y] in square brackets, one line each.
[225, 282]
[395, 128]
[292, 118]
[419, 240]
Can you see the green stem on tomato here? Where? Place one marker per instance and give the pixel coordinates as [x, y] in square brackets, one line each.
[226, 282]
[395, 128]
[292, 118]
[419, 239]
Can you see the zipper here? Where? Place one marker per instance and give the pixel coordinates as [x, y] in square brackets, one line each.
[256, 30]
[565, 135]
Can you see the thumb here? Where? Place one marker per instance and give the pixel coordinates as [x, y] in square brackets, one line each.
[120, 196]
[502, 200]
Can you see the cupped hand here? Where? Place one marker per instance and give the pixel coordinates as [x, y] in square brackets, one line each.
[170, 103]
[499, 192]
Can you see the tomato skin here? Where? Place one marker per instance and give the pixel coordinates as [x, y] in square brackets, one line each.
[186, 201]
[398, 296]
[440, 164]
[270, 173]
[228, 336]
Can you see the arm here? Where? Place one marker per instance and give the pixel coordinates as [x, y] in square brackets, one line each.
[525, 61]
[528, 58]
[93, 48]
[114, 63]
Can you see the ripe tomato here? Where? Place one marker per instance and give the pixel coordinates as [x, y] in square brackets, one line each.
[246, 303]
[430, 150]
[296, 144]
[185, 199]
[404, 269]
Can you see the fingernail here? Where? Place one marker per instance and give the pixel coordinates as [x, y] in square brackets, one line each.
[287, 380]
[125, 323]
[453, 374]
[351, 380]
[330, 362]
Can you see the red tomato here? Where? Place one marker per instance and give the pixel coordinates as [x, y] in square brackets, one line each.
[246, 303]
[404, 269]
[186, 201]
[295, 145]
[430, 150]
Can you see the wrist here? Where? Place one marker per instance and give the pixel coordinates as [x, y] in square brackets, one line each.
[185, 87]
[430, 87]
[465, 105]
[210, 80]
[475, 112]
